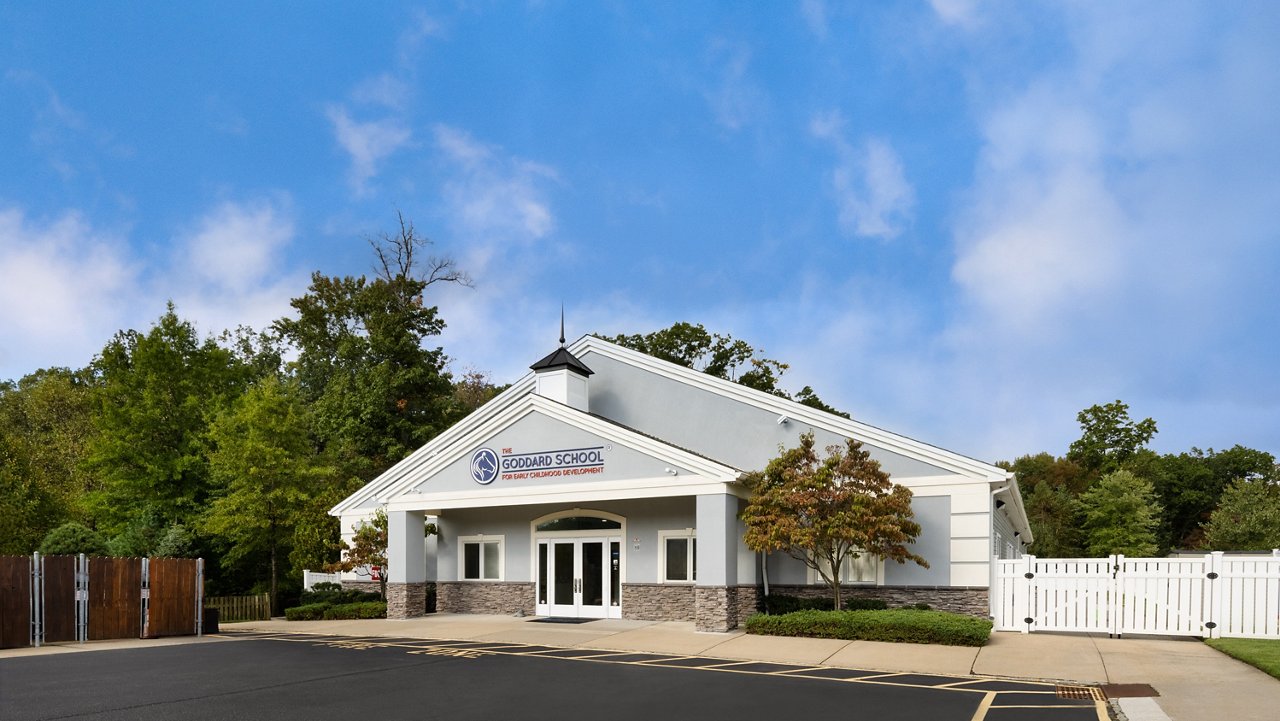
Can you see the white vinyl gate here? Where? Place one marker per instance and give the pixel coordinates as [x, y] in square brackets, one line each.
[1212, 595]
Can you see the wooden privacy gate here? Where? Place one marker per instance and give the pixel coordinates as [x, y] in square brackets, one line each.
[1214, 595]
[46, 599]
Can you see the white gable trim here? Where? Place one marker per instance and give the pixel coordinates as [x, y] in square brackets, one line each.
[378, 487]
[890, 441]
[399, 488]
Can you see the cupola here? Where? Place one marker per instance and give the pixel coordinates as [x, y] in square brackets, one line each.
[561, 377]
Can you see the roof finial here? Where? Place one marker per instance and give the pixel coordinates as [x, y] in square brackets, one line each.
[561, 324]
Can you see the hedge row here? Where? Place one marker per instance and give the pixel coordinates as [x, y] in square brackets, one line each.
[337, 612]
[897, 625]
[335, 595]
[776, 603]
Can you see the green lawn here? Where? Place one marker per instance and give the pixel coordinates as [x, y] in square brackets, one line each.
[1263, 653]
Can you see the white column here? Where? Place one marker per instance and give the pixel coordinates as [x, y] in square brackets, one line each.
[406, 551]
[717, 519]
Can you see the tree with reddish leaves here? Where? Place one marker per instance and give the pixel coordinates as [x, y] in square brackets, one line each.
[824, 511]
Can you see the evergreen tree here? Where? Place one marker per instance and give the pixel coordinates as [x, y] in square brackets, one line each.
[1120, 515]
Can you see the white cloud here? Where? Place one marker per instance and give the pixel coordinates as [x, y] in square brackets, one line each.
[870, 188]
[492, 197]
[235, 245]
[961, 13]
[64, 288]
[1118, 239]
[229, 271]
[815, 16]
[368, 143]
[385, 90]
[735, 100]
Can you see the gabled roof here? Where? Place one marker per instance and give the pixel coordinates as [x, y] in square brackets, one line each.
[493, 417]
[897, 443]
[421, 462]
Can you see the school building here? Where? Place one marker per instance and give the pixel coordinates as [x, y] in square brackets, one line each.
[604, 484]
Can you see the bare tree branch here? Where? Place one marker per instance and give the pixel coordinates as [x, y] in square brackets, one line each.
[396, 259]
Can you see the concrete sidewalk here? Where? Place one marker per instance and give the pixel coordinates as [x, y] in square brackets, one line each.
[1194, 681]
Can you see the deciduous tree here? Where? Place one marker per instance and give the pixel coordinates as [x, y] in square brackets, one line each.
[823, 511]
[722, 356]
[266, 464]
[156, 394]
[1249, 517]
[45, 423]
[1109, 437]
[377, 391]
[367, 551]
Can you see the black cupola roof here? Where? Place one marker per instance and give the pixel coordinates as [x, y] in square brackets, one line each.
[562, 358]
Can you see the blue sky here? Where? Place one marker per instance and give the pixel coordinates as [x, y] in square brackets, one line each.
[957, 220]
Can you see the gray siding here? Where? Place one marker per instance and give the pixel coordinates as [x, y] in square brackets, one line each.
[719, 427]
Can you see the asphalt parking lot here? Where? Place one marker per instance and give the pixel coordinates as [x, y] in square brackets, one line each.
[265, 676]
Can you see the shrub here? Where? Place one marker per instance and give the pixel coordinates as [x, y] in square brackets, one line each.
[919, 606]
[346, 611]
[865, 604]
[309, 612]
[335, 595]
[777, 603]
[72, 538]
[898, 625]
[782, 603]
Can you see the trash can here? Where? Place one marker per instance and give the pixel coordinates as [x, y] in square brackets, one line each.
[210, 621]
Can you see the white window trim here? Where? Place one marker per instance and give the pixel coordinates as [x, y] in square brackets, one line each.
[688, 533]
[462, 559]
[815, 578]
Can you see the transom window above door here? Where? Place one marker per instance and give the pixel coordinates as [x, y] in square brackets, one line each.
[580, 523]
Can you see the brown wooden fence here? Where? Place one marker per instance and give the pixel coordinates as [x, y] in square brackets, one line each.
[15, 601]
[73, 598]
[175, 594]
[241, 608]
[115, 598]
[60, 598]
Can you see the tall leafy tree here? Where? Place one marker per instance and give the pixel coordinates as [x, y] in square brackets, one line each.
[1049, 488]
[45, 422]
[156, 393]
[723, 356]
[266, 465]
[1248, 518]
[377, 390]
[823, 511]
[1120, 515]
[1109, 437]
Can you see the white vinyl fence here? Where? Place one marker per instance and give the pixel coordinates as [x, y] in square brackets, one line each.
[1214, 595]
[311, 578]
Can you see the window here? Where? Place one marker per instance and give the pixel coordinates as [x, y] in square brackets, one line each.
[863, 569]
[677, 556]
[995, 546]
[481, 558]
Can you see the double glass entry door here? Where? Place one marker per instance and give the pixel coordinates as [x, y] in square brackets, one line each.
[579, 577]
